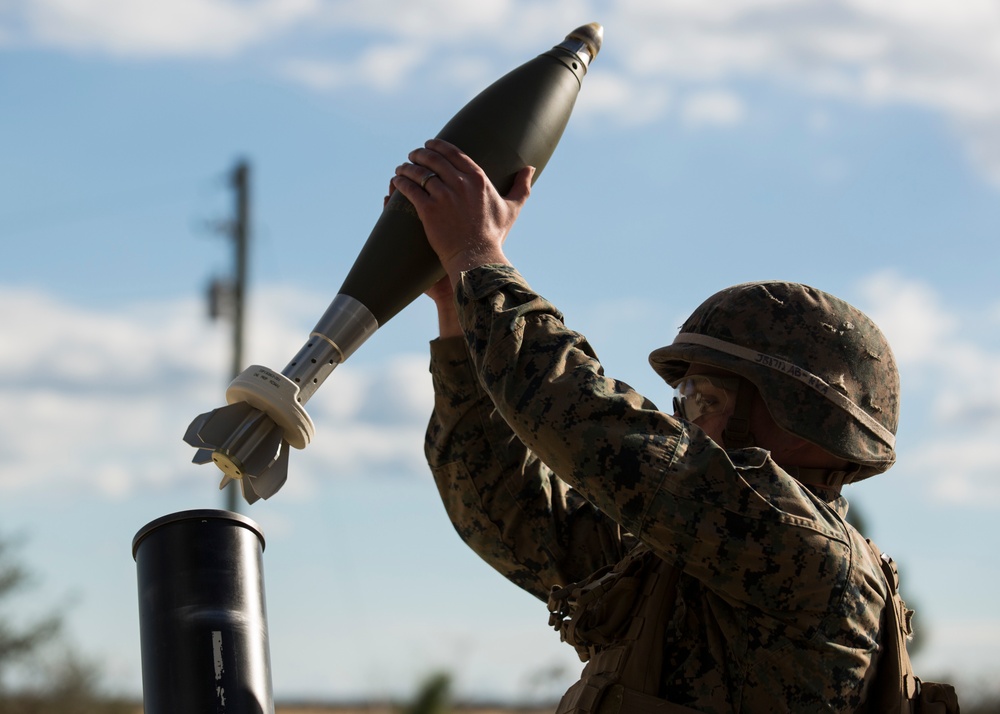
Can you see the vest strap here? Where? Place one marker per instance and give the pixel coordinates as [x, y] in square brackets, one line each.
[621, 677]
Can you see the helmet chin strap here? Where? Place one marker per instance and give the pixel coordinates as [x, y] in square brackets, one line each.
[825, 478]
[737, 433]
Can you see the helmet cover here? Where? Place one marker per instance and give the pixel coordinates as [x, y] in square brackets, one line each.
[823, 368]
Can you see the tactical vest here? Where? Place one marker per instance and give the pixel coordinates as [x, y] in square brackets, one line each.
[896, 688]
[616, 620]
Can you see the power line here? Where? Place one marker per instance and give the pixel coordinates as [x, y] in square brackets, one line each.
[110, 205]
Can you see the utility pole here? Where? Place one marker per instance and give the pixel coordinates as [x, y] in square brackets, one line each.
[227, 296]
[241, 237]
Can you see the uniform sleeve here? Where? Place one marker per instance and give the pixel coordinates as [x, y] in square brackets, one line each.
[504, 502]
[748, 531]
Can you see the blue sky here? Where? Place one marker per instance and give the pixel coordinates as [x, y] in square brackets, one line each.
[850, 144]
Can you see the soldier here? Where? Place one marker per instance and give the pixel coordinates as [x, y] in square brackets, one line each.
[698, 561]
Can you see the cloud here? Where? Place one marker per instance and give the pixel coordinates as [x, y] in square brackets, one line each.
[713, 108]
[911, 315]
[99, 400]
[945, 362]
[382, 67]
[934, 55]
[624, 100]
[437, 20]
[145, 28]
[48, 343]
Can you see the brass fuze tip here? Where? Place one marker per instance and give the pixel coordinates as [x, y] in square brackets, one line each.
[591, 35]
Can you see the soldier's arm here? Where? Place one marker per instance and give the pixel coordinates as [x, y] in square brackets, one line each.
[666, 483]
[504, 502]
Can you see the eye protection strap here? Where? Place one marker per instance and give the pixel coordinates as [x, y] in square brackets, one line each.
[737, 434]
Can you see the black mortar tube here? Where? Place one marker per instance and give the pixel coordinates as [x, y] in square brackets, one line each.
[202, 620]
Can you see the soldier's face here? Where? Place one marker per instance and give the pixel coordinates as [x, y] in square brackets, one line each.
[707, 401]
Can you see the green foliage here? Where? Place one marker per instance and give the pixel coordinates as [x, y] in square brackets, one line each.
[53, 680]
[982, 708]
[433, 697]
[18, 642]
[980, 698]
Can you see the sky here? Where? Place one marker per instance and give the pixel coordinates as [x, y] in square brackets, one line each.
[853, 145]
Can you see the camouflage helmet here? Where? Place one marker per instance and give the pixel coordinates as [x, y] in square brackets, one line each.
[823, 368]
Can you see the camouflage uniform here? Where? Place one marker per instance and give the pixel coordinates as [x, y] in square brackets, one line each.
[778, 600]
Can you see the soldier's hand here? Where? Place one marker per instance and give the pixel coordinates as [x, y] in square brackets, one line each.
[466, 220]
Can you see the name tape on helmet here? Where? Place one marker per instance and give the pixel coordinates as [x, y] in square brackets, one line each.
[786, 367]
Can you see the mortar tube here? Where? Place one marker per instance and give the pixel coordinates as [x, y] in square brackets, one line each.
[202, 616]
